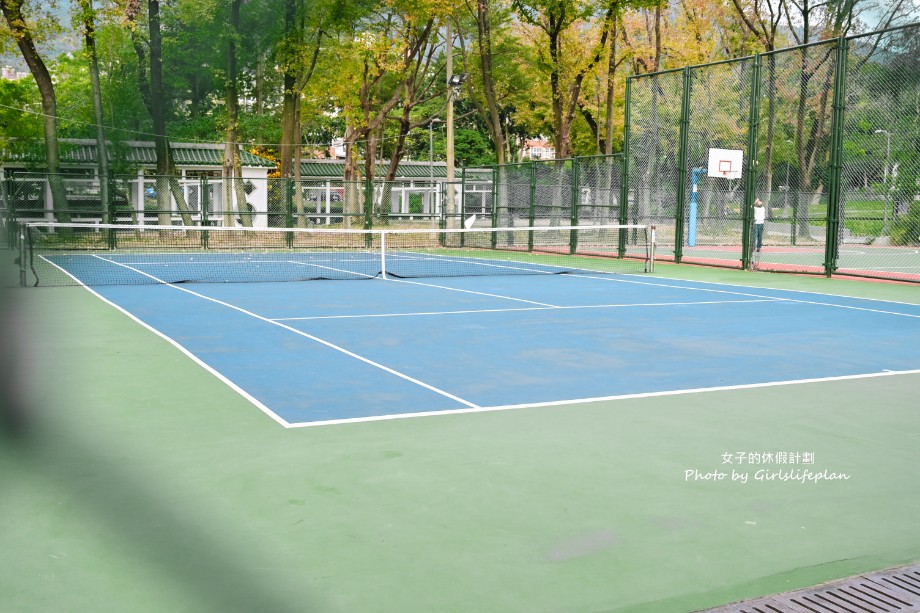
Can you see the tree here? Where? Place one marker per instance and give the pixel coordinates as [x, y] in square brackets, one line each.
[557, 19]
[483, 12]
[88, 21]
[305, 31]
[22, 33]
[762, 18]
[17, 125]
[373, 64]
[150, 56]
[233, 172]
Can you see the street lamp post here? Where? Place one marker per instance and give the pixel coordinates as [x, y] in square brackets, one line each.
[887, 189]
[431, 123]
[454, 83]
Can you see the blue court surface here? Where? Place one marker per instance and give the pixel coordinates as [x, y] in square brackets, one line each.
[323, 352]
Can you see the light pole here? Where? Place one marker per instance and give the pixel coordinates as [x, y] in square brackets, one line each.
[454, 83]
[431, 123]
[887, 190]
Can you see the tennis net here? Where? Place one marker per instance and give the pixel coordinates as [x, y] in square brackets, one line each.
[108, 254]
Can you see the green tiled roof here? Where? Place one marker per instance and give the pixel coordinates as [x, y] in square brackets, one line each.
[80, 152]
[335, 169]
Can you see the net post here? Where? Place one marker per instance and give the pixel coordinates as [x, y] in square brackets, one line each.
[22, 255]
[651, 241]
[383, 254]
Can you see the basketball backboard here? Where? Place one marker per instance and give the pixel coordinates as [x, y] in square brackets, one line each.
[725, 163]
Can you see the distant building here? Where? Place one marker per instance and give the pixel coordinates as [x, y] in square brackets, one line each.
[11, 74]
[198, 166]
[539, 149]
[337, 149]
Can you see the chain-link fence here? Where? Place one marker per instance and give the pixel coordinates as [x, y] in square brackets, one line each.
[880, 177]
[829, 135]
[598, 190]
[215, 201]
[718, 117]
[653, 127]
[477, 197]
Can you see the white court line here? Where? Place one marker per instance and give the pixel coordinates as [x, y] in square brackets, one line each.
[343, 270]
[751, 287]
[877, 268]
[178, 346]
[509, 407]
[527, 267]
[476, 408]
[306, 335]
[467, 291]
[774, 298]
[524, 309]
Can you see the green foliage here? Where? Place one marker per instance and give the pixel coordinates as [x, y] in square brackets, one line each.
[472, 148]
[363, 39]
[19, 118]
[906, 229]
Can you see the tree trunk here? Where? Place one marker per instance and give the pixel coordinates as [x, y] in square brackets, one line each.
[89, 29]
[351, 176]
[154, 98]
[493, 121]
[290, 98]
[232, 166]
[611, 87]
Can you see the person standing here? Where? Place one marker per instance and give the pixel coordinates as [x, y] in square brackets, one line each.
[760, 216]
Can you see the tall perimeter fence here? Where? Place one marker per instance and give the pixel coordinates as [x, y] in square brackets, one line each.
[830, 136]
[828, 133]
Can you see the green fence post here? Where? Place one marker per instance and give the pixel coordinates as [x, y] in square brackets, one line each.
[750, 165]
[495, 175]
[204, 202]
[368, 209]
[576, 188]
[462, 207]
[531, 217]
[289, 210]
[624, 170]
[836, 162]
[7, 196]
[682, 153]
[110, 206]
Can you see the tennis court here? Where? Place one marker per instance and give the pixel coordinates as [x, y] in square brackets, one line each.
[156, 472]
[329, 351]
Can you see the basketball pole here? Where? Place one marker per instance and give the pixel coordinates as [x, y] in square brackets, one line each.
[694, 186]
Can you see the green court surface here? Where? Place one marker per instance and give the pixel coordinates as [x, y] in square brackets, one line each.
[133, 480]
